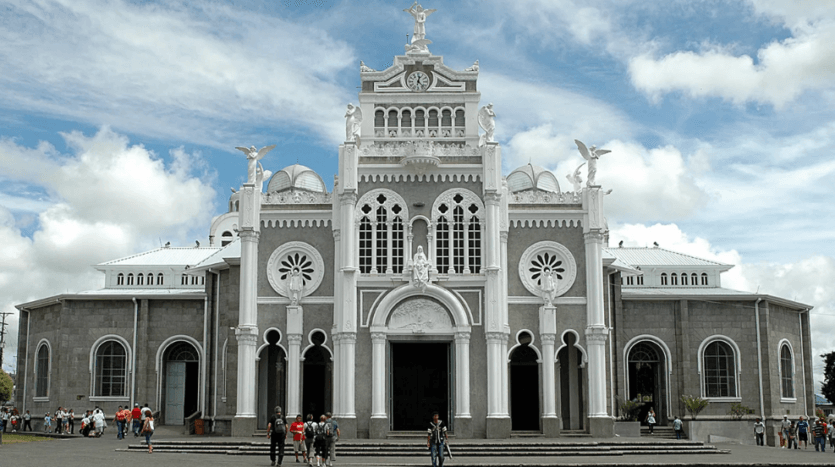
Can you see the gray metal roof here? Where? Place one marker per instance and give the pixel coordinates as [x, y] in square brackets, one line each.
[659, 257]
[170, 256]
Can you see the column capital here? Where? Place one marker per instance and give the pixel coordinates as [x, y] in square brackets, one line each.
[345, 337]
[248, 235]
[348, 198]
[594, 236]
[462, 337]
[246, 335]
[337, 233]
[492, 198]
[548, 339]
[294, 339]
[378, 337]
[496, 336]
[596, 334]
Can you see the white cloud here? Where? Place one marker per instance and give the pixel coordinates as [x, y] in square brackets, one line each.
[782, 71]
[806, 281]
[112, 199]
[205, 74]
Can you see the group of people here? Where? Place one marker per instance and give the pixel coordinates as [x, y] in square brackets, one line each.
[311, 439]
[11, 420]
[792, 433]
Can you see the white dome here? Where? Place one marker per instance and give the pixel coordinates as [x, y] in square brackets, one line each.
[530, 177]
[296, 176]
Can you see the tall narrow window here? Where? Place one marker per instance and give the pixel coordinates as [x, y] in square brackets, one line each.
[442, 242]
[787, 371]
[704, 278]
[160, 279]
[684, 279]
[458, 239]
[381, 232]
[382, 241]
[42, 374]
[111, 370]
[379, 119]
[474, 240]
[365, 244]
[140, 279]
[120, 279]
[694, 279]
[457, 218]
[130, 279]
[640, 280]
[673, 279]
[663, 278]
[719, 365]
[397, 241]
[184, 279]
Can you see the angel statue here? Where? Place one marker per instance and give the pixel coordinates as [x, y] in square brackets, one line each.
[487, 122]
[591, 155]
[472, 68]
[548, 286]
[260, 176]
[295, 286]
[364, 68]
[253, 156]
[420, 18]
[576, 179]
[420, 270]
[353, 123]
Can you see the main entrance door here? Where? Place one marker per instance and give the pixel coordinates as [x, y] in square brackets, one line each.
[316, 387]
[647, 383]
[420, 384]
[182, 374]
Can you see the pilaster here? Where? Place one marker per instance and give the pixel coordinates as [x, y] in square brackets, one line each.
[294, 339]
[379, 424]
[548, 337]
[345, 389]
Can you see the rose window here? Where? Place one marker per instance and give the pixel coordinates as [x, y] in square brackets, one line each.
[296, 262]
[295, 257]
[543, 264]
[543, 258]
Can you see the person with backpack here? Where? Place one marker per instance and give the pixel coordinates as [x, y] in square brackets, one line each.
[320, 443]
[309, 437]
[277, 433]
[331, 437]
[678, 427]
[297, 428]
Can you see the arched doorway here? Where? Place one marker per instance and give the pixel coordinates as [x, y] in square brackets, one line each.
[272, 378]
[317, 380]
[182, 380]
[572, 402]
[647, 381]
[524, 386]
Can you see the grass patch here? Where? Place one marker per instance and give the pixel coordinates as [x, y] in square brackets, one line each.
[14, 438]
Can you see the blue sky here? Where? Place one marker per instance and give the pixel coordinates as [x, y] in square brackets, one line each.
[118, 120]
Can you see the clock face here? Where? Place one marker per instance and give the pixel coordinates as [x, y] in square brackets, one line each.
[418, 81]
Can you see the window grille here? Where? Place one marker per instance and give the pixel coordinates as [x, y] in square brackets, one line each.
[442, 249]
[381, 252]
[111, 370]
[458, 236]
[787, 371]
[365, 245]
[397, 245]
[704, 278]
[719, 364]
[474, 255]
[381, 232]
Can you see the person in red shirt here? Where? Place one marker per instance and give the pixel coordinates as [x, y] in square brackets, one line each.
[136, 417]
[297, 428]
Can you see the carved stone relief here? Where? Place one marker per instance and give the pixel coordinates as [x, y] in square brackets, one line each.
[420, 316]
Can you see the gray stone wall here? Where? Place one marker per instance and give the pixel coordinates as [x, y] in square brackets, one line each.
[520, 238]
[272, 238]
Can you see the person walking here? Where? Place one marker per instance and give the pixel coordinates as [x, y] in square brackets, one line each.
[784, 431]
[791, 436]
[71, 421]
[309, 437]
[759, 432]
[320, 444]
[4, 419]
[27, 421]
[678, 427]
[297, 429]
[331, 437]
[820, 432]
[59, 420]
[803, 432]
[650, 419]
[148, 431]
[436, 437]
[136, 419]
[277, 433]
[98, 420]
[47, 423]
[119, 420]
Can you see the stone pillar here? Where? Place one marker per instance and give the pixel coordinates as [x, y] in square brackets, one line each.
[379, 426]
[346, 385]
[498, 421]
[601, 424]
[463, 418]
[548, 336]
[244, 423]
[294, 339]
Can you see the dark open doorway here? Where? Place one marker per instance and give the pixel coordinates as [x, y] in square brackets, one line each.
[419, 384]
[647, 382]
[317, 381]
[272, 382]
[524, 387]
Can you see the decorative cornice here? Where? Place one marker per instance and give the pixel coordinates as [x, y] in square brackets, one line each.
[294, 196]
[545, 218]
[545, 197]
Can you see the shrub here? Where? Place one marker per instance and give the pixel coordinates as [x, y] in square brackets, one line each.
[694, 405]
[738, 411]
[819, 413]
[629, 410]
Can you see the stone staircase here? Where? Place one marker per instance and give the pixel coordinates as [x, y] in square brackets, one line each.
[461, 448]
[659, 432]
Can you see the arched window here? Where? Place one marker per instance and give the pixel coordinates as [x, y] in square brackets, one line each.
[160, 279]
[130, 279]
[673, 279]
[184, 279]
[226, 238]
[140, 279]
[719, 370]
[457, 216]
[663, 278]
[379, 119]
[694, 279]
[381, 215]
[704, 278]
[110, 370]
[787, 371]
[683, 278]
[42, 371]
[120, 279]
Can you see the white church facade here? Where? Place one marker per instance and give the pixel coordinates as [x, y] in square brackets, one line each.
[425, 281]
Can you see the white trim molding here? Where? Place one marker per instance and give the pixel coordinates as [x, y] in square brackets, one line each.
[668, 363]
[783, 398]
[737, 363]
[128, 369]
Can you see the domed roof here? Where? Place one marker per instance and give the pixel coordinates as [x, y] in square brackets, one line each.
[530, 177]
[296, 176]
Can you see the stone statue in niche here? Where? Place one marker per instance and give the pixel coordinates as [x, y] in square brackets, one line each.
[591, 155]
[576, 179]
[295, 284]
[487, 122]
[548, 286]
[420, 270]
[253, 156]
[353, 123]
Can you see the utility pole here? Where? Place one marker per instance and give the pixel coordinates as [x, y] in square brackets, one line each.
[2, 336]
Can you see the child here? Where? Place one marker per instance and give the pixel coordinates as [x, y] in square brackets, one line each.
[47, 423]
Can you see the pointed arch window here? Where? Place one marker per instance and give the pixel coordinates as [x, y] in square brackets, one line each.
[42, 371]
[381, 215]
[457, 216]
[786, 372]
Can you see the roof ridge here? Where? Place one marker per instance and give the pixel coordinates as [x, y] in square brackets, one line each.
[613, 249]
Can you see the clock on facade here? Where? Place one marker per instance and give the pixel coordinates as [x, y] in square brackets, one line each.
[418, 81]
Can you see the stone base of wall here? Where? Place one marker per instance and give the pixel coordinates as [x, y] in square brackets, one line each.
[498, 428]
[463, 427]
[347, 427]
[551, 427]
[736, 431]
[602, 427]
[244, 427]
[378, 428]
[628, 429]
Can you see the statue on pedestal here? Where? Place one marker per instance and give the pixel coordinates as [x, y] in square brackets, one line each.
[591, 155]
[576, 179]
[253, 156]
[353, 123]
[295, 286]
[487, 122]
[548, 286]
[364, 68]
[260, 176]
[472, 68]
[420, 15]
[420, 270]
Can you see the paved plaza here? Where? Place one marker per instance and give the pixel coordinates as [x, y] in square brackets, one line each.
[108, 451]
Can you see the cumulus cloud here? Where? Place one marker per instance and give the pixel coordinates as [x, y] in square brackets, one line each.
[804, 281]
[108, 199]
[781, 71]
[205, 73]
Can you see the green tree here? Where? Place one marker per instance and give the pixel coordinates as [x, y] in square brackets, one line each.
[6, 386]
[828, 387]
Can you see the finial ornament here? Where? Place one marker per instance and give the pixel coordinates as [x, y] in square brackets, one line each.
[419, 40]
[576, 179]
[420, 270]
[254, 155]
[591, 155]
[487, 122]
[353, 122]
[472, 68]
[364, 68]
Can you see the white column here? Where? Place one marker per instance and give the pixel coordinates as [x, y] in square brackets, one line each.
[378, 375]
[496, 341]
[548, 335]
[293, 375]
[247, 330]
[596, 330]
[347, 346]
[462, 375]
